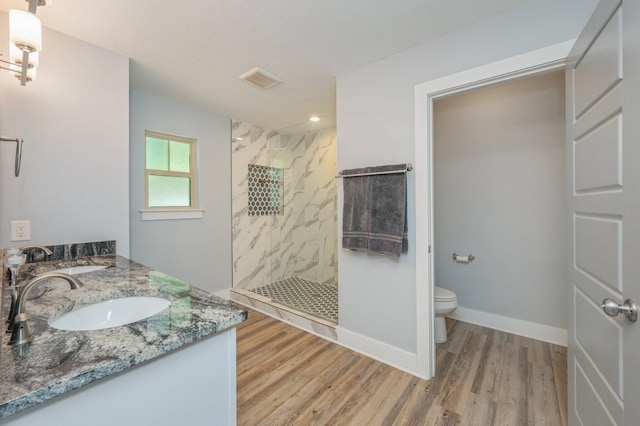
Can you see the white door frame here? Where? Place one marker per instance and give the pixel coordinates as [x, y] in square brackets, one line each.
[538, 61]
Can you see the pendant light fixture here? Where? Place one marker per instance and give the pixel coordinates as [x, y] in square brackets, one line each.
[25, 36]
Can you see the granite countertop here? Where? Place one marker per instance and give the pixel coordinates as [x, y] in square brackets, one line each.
[59, 361]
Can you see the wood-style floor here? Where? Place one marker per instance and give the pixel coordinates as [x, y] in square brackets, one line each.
[287, 376]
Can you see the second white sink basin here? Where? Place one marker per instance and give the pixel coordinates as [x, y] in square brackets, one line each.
[110, 313]
[76, 270]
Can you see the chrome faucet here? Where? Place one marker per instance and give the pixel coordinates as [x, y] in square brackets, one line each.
[36, 246]
[20, 332]
[16, 258]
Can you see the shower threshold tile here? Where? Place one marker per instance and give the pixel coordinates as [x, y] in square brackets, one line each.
[308, 296]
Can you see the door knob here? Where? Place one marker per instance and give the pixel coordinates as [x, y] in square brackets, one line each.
[628, 309]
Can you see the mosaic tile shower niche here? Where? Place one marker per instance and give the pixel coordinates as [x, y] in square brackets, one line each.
[266, 190]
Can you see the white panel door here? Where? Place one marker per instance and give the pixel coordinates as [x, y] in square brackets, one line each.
[604, 190]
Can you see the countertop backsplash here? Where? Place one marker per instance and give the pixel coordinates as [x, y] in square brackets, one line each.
[69, 251]
[73, 251]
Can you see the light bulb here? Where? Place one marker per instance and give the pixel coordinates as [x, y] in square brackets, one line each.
[25, 30]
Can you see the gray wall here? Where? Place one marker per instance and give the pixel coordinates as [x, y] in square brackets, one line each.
[499, 193]
[74, 119]
[197, 251]
[375, 115]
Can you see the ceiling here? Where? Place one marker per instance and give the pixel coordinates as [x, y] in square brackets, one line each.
[194, 50]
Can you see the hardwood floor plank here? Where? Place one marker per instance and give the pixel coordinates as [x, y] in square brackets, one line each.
[276, 341]
[264, 361]
[280, 375]
[546, 349]
[483, 377]
[483, 364]
[544, 409]
[438, 415]
[456, 338]
[353, 408]
[535, 353]
[285, 407]
[424, 394]
[418, 406]
[348, 399]
[312, 404]
[495, 372]
[383, 407]
[508, 387]
[559, 367]
[255, 353]
[524, 379]
[480, 410]
[460, 379]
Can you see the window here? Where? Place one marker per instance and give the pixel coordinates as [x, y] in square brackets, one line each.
[170, 172]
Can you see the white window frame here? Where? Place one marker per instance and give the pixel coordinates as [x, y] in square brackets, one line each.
[172, 212]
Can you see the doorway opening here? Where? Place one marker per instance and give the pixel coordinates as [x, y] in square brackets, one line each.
[533, 63]
[499, 173]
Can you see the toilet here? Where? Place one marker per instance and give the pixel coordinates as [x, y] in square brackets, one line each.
[445, 303]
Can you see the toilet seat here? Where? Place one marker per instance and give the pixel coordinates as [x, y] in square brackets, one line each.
[444, 295]
[444, 304]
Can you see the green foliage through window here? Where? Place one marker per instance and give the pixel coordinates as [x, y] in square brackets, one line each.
[169, 172]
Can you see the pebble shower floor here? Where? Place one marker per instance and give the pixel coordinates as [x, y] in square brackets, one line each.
[314, 298]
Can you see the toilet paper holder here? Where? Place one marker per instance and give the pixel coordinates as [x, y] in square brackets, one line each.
[463, 259]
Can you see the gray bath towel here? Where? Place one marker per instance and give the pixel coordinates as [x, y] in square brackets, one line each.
[375, 211]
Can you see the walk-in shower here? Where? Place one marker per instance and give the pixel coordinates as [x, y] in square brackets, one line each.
[285, 218]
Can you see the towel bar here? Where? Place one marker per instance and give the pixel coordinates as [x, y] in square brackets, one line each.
[18, 142]
[408, 168]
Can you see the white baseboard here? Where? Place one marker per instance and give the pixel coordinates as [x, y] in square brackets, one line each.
[546, 333]
[383, 352]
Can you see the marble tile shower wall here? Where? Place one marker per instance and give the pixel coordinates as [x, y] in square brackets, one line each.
[303, 241]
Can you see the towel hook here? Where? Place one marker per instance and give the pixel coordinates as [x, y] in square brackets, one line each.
[18, 161]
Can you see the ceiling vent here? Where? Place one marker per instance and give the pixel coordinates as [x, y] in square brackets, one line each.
[260, 78]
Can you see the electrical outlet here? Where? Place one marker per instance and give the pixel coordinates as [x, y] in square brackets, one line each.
[20, 230]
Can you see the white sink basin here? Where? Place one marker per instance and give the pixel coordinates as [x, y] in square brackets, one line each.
[76, 270]
[110, 313]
